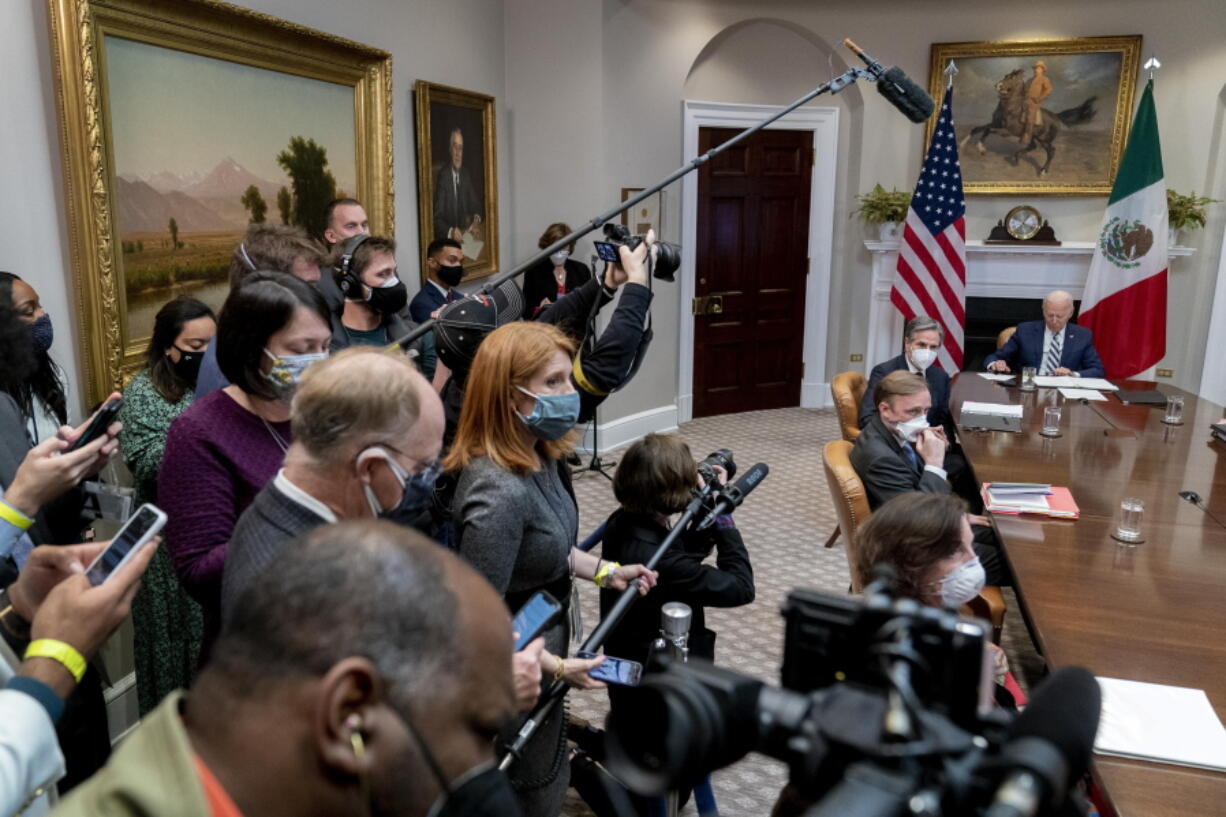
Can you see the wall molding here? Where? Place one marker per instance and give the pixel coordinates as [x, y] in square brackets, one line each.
[625, 430]
[824, 123]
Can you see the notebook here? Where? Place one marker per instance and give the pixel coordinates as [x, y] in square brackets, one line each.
[1160, 723]
[1051, 501]
[990, 422]
[1147, 397]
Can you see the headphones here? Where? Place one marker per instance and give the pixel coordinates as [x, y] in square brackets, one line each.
[346, 279]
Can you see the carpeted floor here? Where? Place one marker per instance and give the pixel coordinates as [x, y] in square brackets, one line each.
[785, 523]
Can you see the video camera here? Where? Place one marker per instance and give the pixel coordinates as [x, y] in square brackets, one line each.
[878, 714]
[668, 256]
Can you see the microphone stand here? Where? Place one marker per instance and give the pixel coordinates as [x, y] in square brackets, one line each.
[555, 693]
[832, 87]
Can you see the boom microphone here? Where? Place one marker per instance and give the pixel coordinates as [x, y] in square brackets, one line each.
[1050, 745]
[732, 496]
[897, 87]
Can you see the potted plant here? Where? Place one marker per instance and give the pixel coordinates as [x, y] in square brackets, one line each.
[886, 208]
[1185, 212]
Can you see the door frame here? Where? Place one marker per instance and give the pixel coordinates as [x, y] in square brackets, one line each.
[1213, 373]
[824, 124]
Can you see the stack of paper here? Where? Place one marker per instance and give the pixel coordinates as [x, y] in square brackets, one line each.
[994, 409]
[998, 378]
[1160, 723]
[1081, 394]
[1069, 381]
[1022, 497]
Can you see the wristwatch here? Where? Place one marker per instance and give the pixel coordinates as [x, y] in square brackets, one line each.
[13, 624]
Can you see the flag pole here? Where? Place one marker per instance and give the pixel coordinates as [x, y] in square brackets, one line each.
[1152, 65]
[951, 71]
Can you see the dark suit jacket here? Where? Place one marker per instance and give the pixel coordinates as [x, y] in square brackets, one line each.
[885, 470]
[427, 299]
[1025, 348]
[539, 283]
[451, 209]
[938, 388]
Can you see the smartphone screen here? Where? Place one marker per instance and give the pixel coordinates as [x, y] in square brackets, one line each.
[137, 531]
[606, 251]
[537, 614]
[615, 670]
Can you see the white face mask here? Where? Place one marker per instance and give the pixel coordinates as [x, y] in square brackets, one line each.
[923, 358]
[559, 257]
[963, 583]
[910, 430]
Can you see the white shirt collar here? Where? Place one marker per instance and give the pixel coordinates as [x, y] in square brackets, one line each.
[1052, 334]
[302, 497]
[911, 367]
[438, 286]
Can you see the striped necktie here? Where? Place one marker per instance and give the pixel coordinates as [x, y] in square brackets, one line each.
[1052, 361]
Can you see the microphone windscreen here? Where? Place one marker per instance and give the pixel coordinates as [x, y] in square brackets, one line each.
[905, 95]
[1064, 711]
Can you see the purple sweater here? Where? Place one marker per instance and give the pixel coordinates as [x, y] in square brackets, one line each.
[218, 457]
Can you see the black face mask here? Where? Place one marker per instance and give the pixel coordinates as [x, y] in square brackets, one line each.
[388, 300]
[187, 367]
[484, 793]
[451, 276]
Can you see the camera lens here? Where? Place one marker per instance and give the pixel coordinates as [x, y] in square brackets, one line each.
[721, 458]
[668, 260]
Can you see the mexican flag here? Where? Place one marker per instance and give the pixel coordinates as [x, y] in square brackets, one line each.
[1124, 304]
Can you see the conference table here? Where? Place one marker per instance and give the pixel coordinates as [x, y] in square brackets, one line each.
[1154, 612]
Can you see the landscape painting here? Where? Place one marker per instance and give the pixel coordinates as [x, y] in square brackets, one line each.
[272, 147]
[1039, 117]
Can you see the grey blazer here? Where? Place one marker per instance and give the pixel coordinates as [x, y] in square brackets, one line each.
[885, 470]
[59, 522]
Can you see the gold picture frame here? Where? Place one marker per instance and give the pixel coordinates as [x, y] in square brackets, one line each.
[221, 37]
[1078, 133]
[459, 208]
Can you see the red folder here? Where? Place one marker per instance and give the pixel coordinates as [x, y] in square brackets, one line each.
[1060, 504]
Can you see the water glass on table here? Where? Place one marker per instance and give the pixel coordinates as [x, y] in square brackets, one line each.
[1128, 528]
[1174, 410]
[1028, 373]
[1051, 422]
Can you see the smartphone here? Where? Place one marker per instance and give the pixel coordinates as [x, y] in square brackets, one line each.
[615, 670]
[98, 426]
[534, 617]
[607, 251]
[134, 535]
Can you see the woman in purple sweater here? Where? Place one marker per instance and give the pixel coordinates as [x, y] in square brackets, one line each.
[221, 451]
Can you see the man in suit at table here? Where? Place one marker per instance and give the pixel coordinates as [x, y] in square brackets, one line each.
[897, 452]
[1053, 346]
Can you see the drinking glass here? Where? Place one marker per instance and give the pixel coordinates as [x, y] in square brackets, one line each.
[1028, 373]
[1128, 528]
[1174, 410]
[1051, 421]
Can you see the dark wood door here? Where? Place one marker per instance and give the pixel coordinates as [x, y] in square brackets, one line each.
[751, 260]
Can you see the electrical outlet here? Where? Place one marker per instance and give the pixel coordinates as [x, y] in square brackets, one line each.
[1166, 373]
[857, 358]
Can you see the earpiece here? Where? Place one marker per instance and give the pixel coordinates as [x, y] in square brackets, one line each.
[346, 279]
[354, 724]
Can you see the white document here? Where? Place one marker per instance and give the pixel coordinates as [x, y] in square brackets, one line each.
[1165, 724]
[998, 378]
[995, 409]
[472, 247]
[1082, 394]
[1068, 381]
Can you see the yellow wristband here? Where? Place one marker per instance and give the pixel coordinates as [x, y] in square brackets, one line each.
[602, 576]
[66, 654]
[14, 517]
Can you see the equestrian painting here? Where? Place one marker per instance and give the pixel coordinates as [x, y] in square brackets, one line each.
[1040, 117]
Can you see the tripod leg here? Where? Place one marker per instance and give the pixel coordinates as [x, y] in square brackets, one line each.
[834, 536]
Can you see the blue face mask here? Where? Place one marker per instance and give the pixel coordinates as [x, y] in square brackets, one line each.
[287, 370]
[41, 333]
[418, 490]
[552, 414]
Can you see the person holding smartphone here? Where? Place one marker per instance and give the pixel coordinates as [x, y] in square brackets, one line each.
[517, 518]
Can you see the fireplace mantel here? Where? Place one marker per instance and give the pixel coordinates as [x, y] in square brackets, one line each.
[993, 271]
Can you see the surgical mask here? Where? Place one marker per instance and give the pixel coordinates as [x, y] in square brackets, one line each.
[451, 276]
[923, 358]
[41, 333]
[559, 257]
[417, 490]
[389, 297]
[910, 430]
[963, 583]
[287, 370]
[552, 414]
[187, 367]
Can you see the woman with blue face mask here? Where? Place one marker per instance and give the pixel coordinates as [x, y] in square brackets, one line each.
[517, 518]
[38, 385]
[222, 450]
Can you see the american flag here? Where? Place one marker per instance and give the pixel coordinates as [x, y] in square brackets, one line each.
[931, 277]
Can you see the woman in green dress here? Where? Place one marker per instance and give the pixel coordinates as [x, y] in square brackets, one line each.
[167, 622]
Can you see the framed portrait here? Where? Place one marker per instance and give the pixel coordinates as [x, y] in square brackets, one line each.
[457, 173]
[1039, 117]
[184, 121]
[646, 215]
